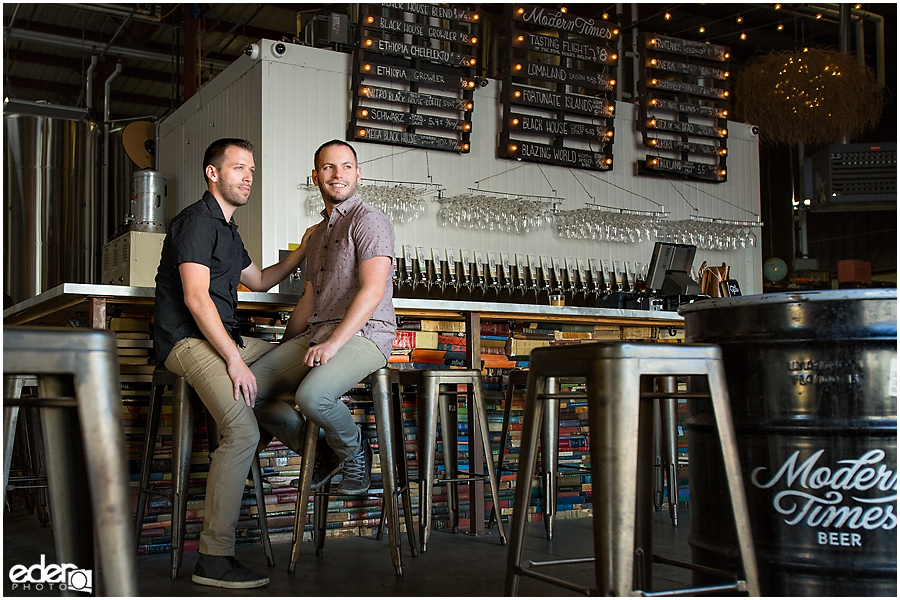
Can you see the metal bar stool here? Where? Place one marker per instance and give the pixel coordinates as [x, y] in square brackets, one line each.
[394, 473]
[619, 379]
[428, 396]
[84, 439]
[183, 402]
[31, 444]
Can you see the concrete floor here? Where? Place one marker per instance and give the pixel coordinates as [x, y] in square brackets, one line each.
[455, 565]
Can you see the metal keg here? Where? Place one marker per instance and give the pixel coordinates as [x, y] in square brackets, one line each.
[812, 378]
[147, 210]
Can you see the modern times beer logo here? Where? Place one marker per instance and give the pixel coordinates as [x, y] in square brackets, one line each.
[860, 495]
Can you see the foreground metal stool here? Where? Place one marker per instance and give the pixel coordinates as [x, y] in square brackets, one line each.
[619, 377]
[428, 396]
[183, 399]
[80, 399]
[394, 473]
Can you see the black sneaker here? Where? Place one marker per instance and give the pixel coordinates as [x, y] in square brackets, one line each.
[357, 471]
[328, 464]
[226, 572]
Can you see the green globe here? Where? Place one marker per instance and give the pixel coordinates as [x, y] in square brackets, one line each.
[774, 269]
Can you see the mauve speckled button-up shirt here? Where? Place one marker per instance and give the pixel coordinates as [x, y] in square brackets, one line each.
[354, 233]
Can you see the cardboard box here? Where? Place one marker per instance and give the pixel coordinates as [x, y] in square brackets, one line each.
[855, 271]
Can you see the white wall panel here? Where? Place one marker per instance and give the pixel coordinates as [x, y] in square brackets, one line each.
[288, 106]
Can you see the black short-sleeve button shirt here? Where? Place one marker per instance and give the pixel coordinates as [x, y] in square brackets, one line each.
[199, 234]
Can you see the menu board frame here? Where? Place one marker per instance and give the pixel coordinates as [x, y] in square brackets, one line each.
[684, 94]
[413, 79]
[557, 88]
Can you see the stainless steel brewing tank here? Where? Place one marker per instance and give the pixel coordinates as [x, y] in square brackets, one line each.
[148, 195]
[812, 378]
[51, 233]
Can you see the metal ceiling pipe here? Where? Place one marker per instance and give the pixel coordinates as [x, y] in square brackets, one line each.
[89, 85]
[104, 226]
[834, 11]
[61, 41]
[112, 10]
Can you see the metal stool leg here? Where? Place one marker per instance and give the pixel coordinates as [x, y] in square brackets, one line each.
[100, 406]
[481, 411]
[182, 445]
[403, 466]
[504, 433]
[669, 428]
[614, 425]
[381, 398]
[658, 463]
[35, 439]
[306, 470]
[527, 457]
[73, 532]
[450, 442]
[320, 519]
[427, 400]
[256, 469]
[153, 412]
[728, 440]
[13, 391]
[550, 456]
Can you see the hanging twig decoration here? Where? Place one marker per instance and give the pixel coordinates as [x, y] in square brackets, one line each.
[810, 96]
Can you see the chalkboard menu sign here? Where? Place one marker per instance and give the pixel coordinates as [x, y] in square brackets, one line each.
[684, 107]
[414, 75]
[558, 88]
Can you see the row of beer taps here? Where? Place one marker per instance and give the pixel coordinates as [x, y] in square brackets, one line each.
[532, 279]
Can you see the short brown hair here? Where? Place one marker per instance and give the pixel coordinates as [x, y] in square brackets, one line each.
[332, 143]
[215, 154]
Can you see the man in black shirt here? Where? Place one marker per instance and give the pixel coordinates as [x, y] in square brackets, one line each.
[196, 336]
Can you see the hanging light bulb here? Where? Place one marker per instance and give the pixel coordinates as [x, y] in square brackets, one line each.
[780, 27]
[743, 36]
[703, 30]
[740, 19]
[668, 16]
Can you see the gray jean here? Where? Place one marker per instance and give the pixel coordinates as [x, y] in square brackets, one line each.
[318, 392]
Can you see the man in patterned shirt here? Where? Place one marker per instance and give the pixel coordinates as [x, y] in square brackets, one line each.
[342, 328]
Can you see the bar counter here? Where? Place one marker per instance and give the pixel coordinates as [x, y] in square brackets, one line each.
[92, 301]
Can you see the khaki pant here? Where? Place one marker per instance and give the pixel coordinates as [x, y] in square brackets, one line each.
[318, 391]
[204, 369]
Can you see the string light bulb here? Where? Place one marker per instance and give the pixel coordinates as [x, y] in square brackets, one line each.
[740, 19]
[703, 30]
[777, 7]
[818, 15]
[743, 36]
[780, 27]
[668, 16]
[563, 9]
[606, 16]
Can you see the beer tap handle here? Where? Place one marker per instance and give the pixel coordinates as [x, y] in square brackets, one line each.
[492, 269]
[451, 267]
[545, 273]
[622, 276]
[570, 274]
[610, 277]
[520, 271]
[596, 277]
[438, 271]
[423, 267]
[507, 273]
[464, 257]
[408, 263]
[532, 273]
[479, 269]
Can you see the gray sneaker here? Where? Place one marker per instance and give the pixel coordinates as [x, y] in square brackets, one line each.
[226, 572]
[357, 471]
